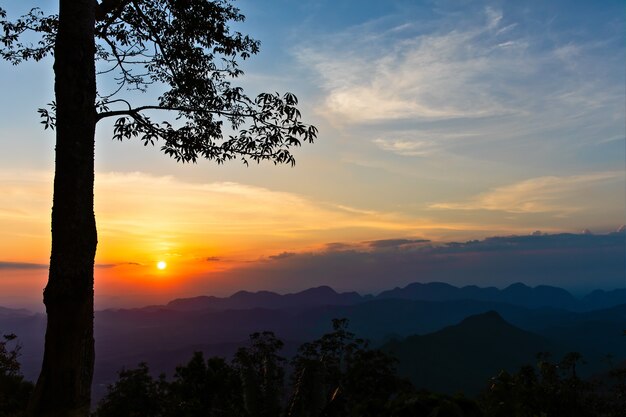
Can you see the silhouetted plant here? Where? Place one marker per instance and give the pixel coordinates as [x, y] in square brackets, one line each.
[616, 401]
[134, 394]
[427, 404]
[14, 391]
[552, 389]
[338, 375]
[262, 375]
[210, 388]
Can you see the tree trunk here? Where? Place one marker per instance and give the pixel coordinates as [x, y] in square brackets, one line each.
[64, 385]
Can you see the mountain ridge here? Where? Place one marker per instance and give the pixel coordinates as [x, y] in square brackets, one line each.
[516, 294]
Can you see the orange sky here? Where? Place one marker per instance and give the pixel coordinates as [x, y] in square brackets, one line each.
[450, 121]
[145, 219]
[201, 230]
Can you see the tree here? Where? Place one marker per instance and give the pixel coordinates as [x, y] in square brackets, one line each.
[210, 388]
[338, 375]
[262, 374]
[14, 391]
[548, 389]
[183, 46]
[135, 393]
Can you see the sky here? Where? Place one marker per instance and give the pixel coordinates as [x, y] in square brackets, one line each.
[441, 123]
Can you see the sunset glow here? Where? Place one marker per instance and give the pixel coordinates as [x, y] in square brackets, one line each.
[440, 123]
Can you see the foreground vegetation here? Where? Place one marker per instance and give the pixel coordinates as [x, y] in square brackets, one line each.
[336, 375]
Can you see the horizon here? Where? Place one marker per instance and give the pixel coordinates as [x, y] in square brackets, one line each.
[578, 296]
[608, 246]
[439, 123]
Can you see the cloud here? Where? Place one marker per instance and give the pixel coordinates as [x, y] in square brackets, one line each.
[394, 243]
[283, 255]
[337, 246]
[143, 217]
[105, 266]
[493, 74]
[213, 259]
[114, 265]
[420, 143]
[536, 195]
[22, 265]
[433, 75]
[573, 261]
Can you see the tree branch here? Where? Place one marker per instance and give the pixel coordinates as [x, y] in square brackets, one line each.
[110, 6]
[132, 112]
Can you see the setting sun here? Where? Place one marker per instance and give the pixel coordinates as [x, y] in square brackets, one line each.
[161, 265]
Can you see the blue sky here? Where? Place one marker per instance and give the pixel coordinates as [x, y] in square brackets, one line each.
[441, 120]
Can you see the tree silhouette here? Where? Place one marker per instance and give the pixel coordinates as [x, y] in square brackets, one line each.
[205, 388]
[339, 375]
[549, 388]
[135, 393]
[262, 375]
[14, 391]
[184, 47]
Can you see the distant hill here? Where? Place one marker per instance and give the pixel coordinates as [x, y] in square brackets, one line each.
[516, 294]
[602, 299]
[596, 333]
[318, 296]
[464, 356]
[14, 312]
[30, 329]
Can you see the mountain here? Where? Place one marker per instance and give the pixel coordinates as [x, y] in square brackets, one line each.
[30, 329]
[542, 296]
[596, 333]
[311, 297]
[516, 294]
[464, 356]
[14, 312]
[601, 299]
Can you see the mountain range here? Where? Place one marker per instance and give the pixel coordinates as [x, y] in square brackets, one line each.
[515, 294]
[519, 319]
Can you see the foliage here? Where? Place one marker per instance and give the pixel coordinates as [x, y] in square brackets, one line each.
[262, 374]
[210, 388]
[337, 375]
[187, 50]
[426, 403]
[549, 389]
[135, 394]
[14, 391]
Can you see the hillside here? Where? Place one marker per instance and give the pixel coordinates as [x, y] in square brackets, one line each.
[464, 356]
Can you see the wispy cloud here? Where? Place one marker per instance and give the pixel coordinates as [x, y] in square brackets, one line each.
[142, 217]
[536, 195]
[420, 143]
[495, 76]
[396, 243]
[21, 265]
[427, 76]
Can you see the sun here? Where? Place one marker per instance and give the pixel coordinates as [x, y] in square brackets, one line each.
[161, 265]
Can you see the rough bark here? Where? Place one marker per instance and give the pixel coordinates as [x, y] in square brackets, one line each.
[64, 385]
